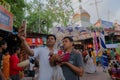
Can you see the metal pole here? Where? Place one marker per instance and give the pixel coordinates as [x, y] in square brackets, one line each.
[39, 17]
[97, 8]
[80, 6]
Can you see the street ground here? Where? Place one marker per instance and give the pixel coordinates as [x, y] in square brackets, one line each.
[99, 75]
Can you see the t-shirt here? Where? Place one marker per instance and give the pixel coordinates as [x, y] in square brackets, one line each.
[42, 53]
[76, 60]
[14, 69]
[104, 59]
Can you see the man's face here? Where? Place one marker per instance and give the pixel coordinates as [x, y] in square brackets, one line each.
[67, 44]
[4, 46]
[51, 41]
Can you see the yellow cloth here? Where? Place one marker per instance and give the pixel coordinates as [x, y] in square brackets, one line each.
[6, 66]
[99, 53]
[108, 51]
[94, 57]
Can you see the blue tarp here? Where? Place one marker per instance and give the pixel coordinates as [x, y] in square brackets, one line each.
[106, 24]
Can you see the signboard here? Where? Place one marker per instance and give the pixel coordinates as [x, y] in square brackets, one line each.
[6, 20]
[36, 41]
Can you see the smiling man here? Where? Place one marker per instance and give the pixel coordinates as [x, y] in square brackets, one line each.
[43, 54]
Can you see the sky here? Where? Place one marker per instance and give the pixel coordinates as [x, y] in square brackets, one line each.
[108, 9]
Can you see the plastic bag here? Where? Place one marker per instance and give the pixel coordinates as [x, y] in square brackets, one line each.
[57, 73]
[24, 63]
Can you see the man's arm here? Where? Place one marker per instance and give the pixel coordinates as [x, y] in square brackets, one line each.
[22, 36]
[78, 68]
[27, 48]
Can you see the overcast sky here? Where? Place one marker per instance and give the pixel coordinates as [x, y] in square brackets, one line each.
[105, 7]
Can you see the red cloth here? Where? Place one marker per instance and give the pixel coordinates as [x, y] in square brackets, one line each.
[60, 52]
[14, 69]
[64, 57]
[84, 53]
[118, 57]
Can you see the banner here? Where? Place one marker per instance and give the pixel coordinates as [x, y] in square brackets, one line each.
[34, 41]
[29, 40]
[102, 40]
[6, 20]
[95, 42]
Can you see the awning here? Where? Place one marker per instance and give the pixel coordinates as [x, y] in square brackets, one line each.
[111, 45]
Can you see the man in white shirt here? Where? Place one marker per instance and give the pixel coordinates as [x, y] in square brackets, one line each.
[45, 70]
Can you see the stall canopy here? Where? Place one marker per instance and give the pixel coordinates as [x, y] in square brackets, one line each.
[112, 45]
[77, 32]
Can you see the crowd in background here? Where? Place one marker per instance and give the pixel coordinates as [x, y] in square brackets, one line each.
[9, 58]
[108, 59]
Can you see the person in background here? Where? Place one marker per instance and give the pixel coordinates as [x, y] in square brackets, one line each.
[93, 55]
[89, 65]
[105, 61]
[31, 68]
[117, 57]
[3, 46]
[97, 61]
[99, 57]
[14, 60]
[84, 53]
[6, 64]
[112, 54]
[36, 68]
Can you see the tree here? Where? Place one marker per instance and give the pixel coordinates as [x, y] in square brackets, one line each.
[18, 9]
[44, 15]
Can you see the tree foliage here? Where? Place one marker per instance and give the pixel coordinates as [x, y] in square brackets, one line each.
[18, 10]
[44, 15]
[41, 16]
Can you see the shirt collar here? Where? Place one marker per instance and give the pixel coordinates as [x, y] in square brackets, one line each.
[72, 51]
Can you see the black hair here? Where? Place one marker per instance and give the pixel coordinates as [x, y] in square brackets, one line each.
[52, 36]
[89, 52]
[70, 38]
[15, 49]
[5, 51]
[2, 42]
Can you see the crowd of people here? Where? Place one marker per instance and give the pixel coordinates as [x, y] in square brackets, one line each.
[54, 64]
[103, 58]
[8, 63]
[108, 59]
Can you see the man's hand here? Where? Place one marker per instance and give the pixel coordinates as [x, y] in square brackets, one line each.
[64, 63]
[22, 31]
